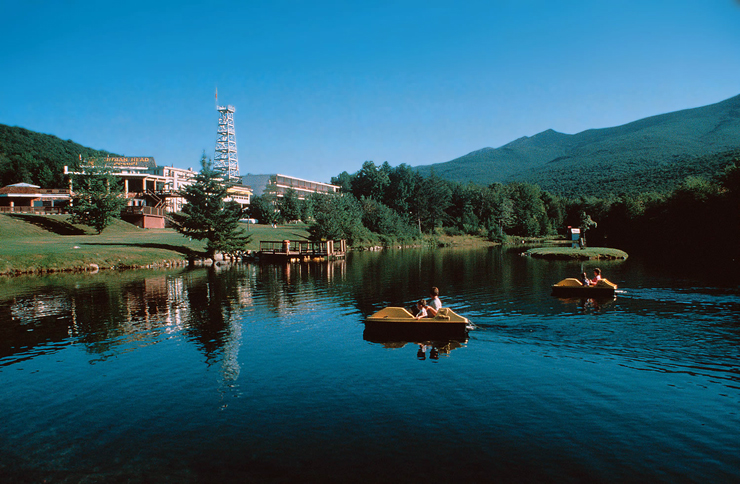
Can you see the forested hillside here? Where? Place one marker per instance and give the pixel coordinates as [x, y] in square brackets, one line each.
[30, 157]
[654, 153]
[697, 220]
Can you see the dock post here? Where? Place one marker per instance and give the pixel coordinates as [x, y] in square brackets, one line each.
[286, 246]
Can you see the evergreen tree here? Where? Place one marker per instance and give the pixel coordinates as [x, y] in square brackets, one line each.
[97, 198]
[208, 216]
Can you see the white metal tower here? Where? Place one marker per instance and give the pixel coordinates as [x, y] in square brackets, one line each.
[226, 159]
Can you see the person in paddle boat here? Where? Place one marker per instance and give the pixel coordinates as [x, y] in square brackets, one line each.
[585, 280]
[421, 309]
[435, 302]
[597, 276]
[424, 310]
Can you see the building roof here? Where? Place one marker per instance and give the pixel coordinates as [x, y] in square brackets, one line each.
[27, 190]
[23, 185]
[20, 188]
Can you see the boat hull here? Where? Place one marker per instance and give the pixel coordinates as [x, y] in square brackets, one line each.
[571, 287]
[377, 332]
[395, 324]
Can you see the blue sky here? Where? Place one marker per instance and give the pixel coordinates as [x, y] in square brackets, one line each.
[322, 86]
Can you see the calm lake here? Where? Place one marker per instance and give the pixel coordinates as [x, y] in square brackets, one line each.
[264, 373]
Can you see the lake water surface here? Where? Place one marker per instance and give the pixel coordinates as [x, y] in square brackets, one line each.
[264, 373]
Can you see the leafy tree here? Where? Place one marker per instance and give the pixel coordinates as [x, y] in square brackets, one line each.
[338, 216]
[495, 208]
[97, 198]
[207, 216]
[381, 219]
[462, 210]
[529, 209]
[307, 209]
[262, 208]
[555, 209]
[432, 198]
[370, 182]
[729, 179]
[587, 223]
[344, 180]
[289, 206]
[403, 182]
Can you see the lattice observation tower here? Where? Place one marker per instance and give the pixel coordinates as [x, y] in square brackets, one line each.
[226, 159]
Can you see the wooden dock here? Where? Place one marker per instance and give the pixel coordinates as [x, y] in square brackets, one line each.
[302, 250]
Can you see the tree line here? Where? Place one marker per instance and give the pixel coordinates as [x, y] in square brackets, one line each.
[388, 205]
[384, 204]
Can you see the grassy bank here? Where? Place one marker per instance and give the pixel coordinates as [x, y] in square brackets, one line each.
[39, 243]
[566, 253]
[34, 244]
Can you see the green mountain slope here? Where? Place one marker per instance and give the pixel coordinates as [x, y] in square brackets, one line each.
[30, 157]
[610, 159]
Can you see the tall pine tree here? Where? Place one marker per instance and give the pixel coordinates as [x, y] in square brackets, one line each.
[207, 215]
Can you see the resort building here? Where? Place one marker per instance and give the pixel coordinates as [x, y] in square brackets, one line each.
[279, 184]
[25, 198]
[153, 191]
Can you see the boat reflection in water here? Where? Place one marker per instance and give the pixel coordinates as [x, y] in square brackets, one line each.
[395, 327]
[589, 305]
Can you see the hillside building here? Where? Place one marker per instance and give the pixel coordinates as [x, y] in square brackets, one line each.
[27, 198]
[153, 191]
[279, 184]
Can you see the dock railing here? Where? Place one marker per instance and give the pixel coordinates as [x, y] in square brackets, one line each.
[302, 247]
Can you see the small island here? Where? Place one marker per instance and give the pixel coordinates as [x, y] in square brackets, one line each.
[576, 253]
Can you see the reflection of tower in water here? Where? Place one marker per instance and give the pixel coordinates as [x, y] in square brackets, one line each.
[230, 367]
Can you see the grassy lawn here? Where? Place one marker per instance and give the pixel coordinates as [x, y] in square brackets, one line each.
[40, 243]
[577, 253]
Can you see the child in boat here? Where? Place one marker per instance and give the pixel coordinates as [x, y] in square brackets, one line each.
[436, 303]
[425, 311]
[585, 280]
[421, 309]
[597, 276]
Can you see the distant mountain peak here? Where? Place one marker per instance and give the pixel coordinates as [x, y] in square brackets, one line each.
[544, 138]
[605, 156]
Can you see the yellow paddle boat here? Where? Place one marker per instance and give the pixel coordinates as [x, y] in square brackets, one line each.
[392, 323]
[445, 316]
[572, 287]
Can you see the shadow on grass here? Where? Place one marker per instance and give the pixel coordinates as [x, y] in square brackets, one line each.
[182, 249]
[59, 227]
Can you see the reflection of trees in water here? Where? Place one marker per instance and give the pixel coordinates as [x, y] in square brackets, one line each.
[110, 310]
[107, 311]
[32, 321]
[212, 302]
[401, 277]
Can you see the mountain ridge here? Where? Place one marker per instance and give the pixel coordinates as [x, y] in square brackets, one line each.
[559, 162]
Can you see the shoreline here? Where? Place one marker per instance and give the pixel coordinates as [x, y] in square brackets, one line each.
[41, 244]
